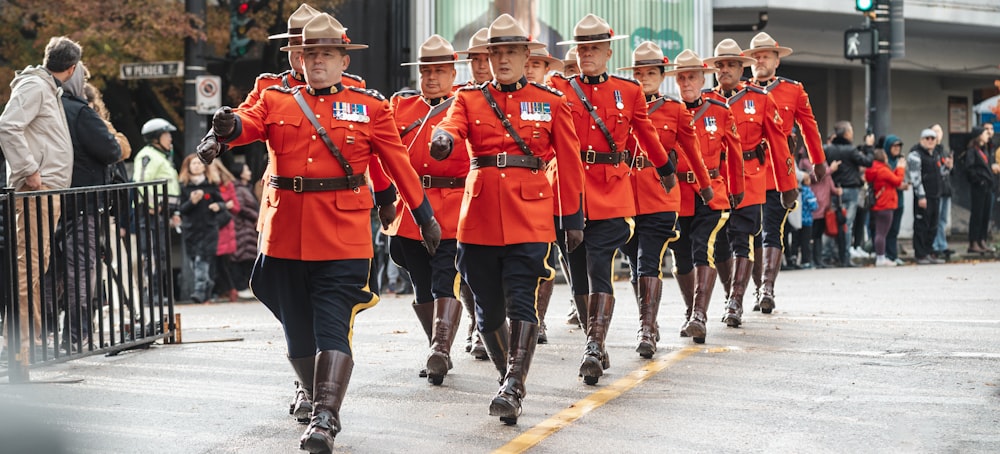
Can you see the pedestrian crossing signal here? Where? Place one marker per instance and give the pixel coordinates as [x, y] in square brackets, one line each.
[864, 5]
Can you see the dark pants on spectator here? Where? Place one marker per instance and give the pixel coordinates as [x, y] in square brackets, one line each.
[77, 263]
[979, 211]
[883, 222]
[925, 223]
[802, 245]
[891, 243]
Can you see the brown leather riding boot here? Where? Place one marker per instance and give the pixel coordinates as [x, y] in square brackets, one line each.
[507, 403]
[333, 372]
[581, 302]
[302, 406]
[425, 314]
[704, 277]
[468, 301]
[542, 306]
[772, 264]
[758, 272]
[734, 307]
[725, 271]
[595, 359]
[497, 344]
[686, 284]
[447, 315]
[649, 304]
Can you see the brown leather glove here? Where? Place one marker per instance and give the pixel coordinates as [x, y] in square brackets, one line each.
[224, 121]
[819, 170]
[209, 148]
[735, 200]
[430, 231]
[387, 214]
[574, 238]
[707, 194]
[668, 182]
[788, 198]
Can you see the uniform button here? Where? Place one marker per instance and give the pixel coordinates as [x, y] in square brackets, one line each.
[477, 122]
[590, 147]
[402, 128]
[350, 126]
[586, 167]
[593, 127]
[310, 159]
[321, 99]
[666, 127]
[508, 115]
[510, 96]
[595, 88]
[317, 115]
[506, 135]
[425, 164]
[537, 125]
[540, 194]
[314, 136]
[503, 175]
[281, 122]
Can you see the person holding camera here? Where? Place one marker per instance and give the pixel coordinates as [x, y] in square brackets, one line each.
[848, 177]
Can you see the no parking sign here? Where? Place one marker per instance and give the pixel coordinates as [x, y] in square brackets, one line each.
[208, 96]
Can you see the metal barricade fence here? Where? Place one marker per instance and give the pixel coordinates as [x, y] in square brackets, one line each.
[83, 271]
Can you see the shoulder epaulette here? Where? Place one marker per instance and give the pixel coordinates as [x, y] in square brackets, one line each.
[269, 76]
[353, 76]
[755, 89]
[280, 88]
[707, 90]
[547, 88]
[716, 102]
[791, 81]
[671, 98]
[405, 93]
[472, 87]
[368, 91]
[627, 79]
[561, 76]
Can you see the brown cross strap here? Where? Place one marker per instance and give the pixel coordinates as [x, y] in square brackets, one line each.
[575, 83]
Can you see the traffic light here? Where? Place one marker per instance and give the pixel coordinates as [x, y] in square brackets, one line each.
[864, 5]
[240, 22]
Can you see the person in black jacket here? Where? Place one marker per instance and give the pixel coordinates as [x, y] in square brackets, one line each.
[923, 168]
[847, 176]
[202, 213]
[979, 172]
[94, 149]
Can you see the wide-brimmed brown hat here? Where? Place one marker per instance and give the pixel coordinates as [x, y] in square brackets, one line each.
[592, 29]
[543, 54]
[647, 55]
[324, 31]
[763, 41]
[506, 31]
[689, 61]
[477, 43]
[570, 58]
[296, 21]
[729, 49]
[435, 51]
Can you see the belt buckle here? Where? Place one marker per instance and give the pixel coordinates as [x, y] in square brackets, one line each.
[690, 178]
[591, 157]
[297, 184]
[502, 160]
[640, 162]
[425, 181]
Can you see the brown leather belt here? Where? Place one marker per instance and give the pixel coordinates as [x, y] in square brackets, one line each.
[301, 184]
[597, 157]
[689, 177]
[428, 181]
[507, 160]
[748, 155]
[641, 162]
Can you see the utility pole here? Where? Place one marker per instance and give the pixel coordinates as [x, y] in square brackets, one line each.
[879, 39]
[195, 124]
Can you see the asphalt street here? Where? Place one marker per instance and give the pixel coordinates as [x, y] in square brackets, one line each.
[881, 360]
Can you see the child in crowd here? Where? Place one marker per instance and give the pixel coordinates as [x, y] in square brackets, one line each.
[202, 213]
[809, 206]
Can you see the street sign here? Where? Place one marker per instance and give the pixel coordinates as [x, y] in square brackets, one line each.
[152, 70]
[208, 94]
[860, 43]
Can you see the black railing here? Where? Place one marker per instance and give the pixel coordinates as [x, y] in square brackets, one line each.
[83, 271]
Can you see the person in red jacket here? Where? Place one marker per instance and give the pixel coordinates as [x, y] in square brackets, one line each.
[505, 226]
[763, 141]
[607, 110]
[656, 211]
[794, 108]
[701, 223]
[884, 182]
[433, 276]
[316, 244]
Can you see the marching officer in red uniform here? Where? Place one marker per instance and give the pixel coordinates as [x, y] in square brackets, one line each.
[570, 66]
[793, 107]
[479, 65]
[316, 244]
[758, 124]
[656, 211]
[607, 110]
[539, 65]
[701, 223]
[505, 229]
[434, 277]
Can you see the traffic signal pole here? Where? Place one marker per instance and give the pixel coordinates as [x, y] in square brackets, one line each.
[195, 124]
[886, 17]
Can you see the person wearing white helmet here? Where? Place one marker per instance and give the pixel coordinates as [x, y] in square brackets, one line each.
[153, 162]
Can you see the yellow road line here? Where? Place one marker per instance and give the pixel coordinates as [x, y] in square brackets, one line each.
[576, 411]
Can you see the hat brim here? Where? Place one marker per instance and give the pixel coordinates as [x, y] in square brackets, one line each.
[285, 35]
[428, 63]
[689, 69]
[555, 63]
[747, 61]
[651, 65]
[530, 44]
[481, 49]
[309, 46]
[613, 38]
[782, 51]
